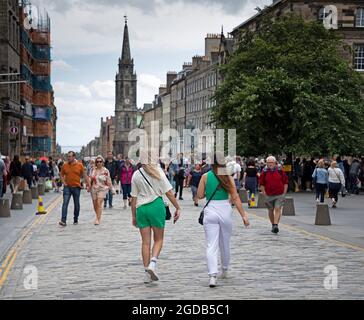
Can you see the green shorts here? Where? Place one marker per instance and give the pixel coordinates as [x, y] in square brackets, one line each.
[151, 215]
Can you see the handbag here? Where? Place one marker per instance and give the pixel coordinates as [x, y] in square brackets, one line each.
[202, 214]
[168, 212]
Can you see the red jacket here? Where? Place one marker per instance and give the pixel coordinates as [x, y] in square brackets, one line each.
[273, 181]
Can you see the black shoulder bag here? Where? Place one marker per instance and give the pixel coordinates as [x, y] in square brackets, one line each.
[202, 214]
[168, 212]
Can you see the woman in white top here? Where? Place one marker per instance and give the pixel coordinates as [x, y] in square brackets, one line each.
[148, 185]
[336, 181]
[56, 177]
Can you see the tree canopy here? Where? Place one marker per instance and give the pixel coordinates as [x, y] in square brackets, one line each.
[289, 89]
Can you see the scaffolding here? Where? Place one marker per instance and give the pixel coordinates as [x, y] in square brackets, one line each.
[38, 18]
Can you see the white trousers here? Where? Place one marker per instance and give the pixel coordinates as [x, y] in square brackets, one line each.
[218, 228]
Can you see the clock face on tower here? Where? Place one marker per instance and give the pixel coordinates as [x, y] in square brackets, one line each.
[127, 101]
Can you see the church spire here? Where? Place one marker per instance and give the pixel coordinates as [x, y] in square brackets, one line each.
[125, 55]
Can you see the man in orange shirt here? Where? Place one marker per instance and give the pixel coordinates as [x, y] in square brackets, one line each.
[71, 174]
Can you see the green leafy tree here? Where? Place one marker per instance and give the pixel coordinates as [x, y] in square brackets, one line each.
[288, 89]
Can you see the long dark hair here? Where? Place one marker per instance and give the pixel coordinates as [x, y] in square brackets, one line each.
[224, 179]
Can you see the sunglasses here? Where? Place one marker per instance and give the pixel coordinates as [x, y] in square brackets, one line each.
[99, 161]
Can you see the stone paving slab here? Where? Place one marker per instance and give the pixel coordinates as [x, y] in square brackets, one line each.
[104, 262]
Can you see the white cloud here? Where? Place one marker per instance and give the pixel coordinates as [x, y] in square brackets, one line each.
[62, 66]
[175, 26]
[79, 116]
[63, 89]
[103, 89]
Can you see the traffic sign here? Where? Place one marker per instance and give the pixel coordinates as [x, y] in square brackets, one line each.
[14, 130]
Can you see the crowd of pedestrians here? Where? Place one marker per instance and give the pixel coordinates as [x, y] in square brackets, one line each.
[18, 174]
[143, 186]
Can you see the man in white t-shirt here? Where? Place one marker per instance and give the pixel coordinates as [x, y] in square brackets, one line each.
[235, 169]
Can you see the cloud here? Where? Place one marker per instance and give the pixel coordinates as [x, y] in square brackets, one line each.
[62, 65]
[63, 89]
[147, 6]
[103, 89]
[80, 109]
[96, 27]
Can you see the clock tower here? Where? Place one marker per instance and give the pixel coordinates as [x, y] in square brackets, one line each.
[126, 98]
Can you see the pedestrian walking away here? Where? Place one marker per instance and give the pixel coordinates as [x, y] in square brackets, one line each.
[336, 181]
[179, 175]
[71, 174]
[27, 172]
[250, 180]
[217, 187]
[100, 186]
[194, 180]
[149, 184]
[274, 185]
[15, 174]
[320, 179]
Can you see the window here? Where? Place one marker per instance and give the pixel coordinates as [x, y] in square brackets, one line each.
[359, 57]
[323, 13]
[360, 18]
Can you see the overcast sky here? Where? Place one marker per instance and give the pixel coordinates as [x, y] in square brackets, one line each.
[87, 40]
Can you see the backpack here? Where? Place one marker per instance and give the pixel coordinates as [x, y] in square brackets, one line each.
[280, 170]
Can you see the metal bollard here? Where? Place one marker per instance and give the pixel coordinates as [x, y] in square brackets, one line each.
[322, 215]
[288, 208]
[4, 208]
[17, 201]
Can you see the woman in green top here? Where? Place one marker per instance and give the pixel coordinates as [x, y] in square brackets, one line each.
[218, 217]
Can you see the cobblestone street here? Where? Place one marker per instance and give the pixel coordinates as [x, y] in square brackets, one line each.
[104, 262]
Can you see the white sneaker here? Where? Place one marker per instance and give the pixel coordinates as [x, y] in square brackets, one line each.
[213, 282]
[147, 278]
[152, 272]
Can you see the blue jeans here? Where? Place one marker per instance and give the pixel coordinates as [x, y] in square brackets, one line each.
[109, 197]
[1, 188]
[67, 193]
[126, 191]
[320, 191]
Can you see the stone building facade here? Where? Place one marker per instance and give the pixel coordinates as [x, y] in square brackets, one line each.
[350, 22]
[107, 136]
[10, 108]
